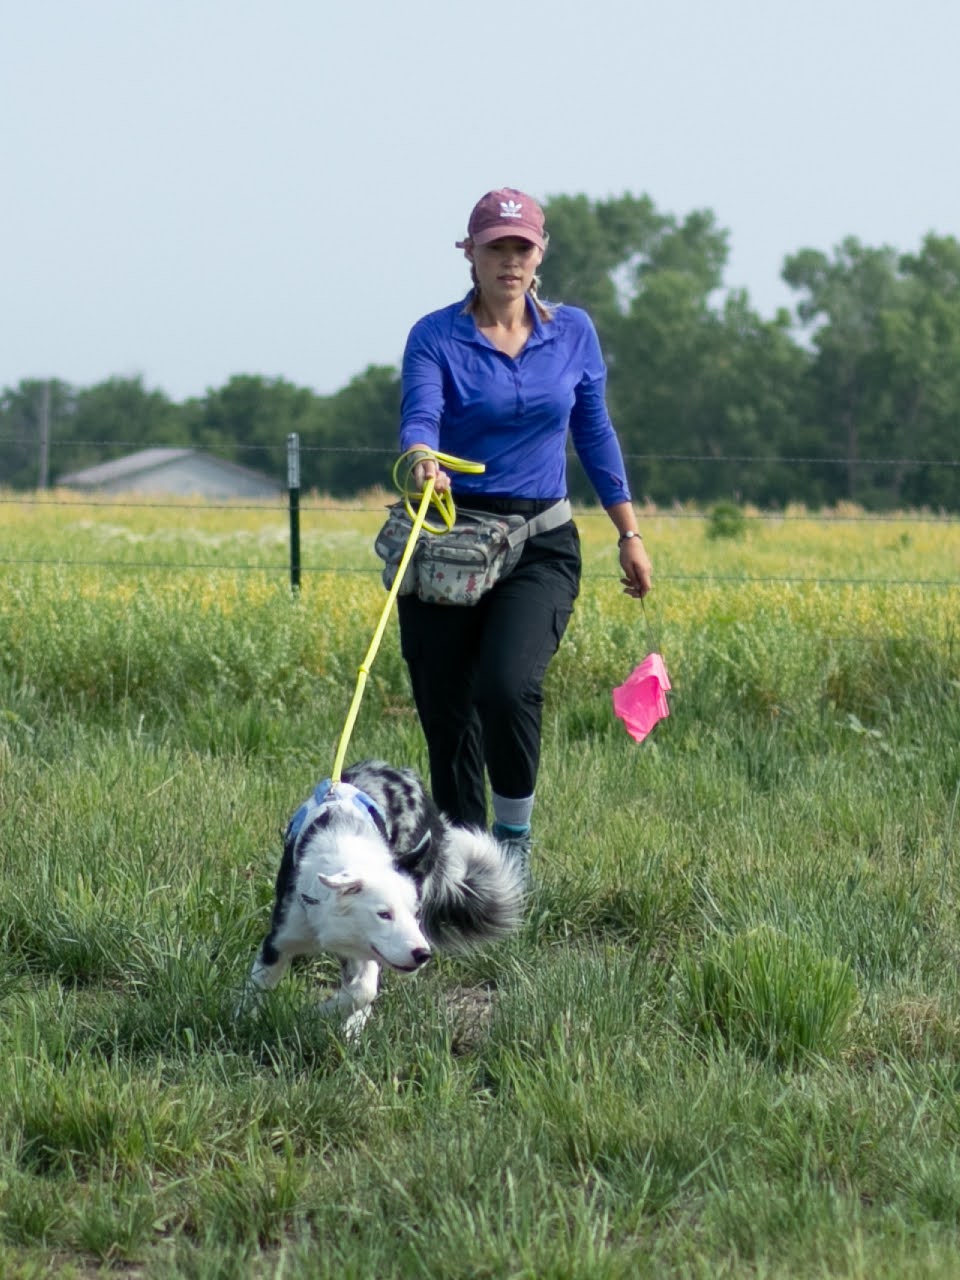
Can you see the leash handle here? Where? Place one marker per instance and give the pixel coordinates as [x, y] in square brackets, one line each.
[442, 502]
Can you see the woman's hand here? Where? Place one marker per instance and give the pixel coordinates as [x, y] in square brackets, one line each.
[424, 468]
[637, 570]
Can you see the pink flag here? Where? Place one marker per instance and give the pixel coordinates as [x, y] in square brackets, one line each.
[642, 700]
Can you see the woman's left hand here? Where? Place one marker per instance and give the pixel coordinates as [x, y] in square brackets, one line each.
[637, 570]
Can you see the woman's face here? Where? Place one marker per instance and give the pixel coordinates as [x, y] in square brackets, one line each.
[505, 268]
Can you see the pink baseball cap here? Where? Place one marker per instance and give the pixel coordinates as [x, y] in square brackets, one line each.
[505, 212]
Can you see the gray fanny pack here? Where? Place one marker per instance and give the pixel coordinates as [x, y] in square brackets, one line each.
[459, 566]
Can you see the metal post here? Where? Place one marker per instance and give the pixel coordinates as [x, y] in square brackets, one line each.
[293, 487]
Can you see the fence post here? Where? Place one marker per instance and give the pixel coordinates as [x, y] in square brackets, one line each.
[293, 489]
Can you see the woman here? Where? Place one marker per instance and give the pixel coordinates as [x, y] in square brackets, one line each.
[500, 379]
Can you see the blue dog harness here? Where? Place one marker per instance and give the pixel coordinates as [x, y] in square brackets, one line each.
[324, 796]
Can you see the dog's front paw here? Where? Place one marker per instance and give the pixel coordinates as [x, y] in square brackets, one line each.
[354, 1017]
[357, 1020]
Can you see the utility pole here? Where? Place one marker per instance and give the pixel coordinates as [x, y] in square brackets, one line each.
[293, 489]
[44, 476]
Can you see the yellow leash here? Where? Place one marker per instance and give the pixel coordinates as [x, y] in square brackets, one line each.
[444, 505]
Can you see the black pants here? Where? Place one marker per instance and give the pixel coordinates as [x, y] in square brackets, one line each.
[477, 673]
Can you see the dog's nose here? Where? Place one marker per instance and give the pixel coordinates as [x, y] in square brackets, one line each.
[420, 956]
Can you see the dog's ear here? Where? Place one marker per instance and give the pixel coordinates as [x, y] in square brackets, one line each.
[410, 860]
[342, 882]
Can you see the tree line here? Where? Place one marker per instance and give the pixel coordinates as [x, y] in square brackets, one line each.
[853, 395]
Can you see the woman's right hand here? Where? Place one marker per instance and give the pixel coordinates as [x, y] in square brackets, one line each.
[427, 467]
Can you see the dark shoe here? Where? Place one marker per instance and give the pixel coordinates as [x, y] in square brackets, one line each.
[516, 845]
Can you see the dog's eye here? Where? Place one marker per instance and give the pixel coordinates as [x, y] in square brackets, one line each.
[308, 901]
[385, 915]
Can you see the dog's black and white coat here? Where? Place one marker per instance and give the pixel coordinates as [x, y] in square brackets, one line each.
[375, 874]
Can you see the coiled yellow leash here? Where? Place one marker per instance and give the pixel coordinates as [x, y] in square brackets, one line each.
[443, 502]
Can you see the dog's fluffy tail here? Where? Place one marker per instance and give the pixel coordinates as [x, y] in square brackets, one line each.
[473, 894]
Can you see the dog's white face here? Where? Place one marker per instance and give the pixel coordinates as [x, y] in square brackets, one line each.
[367, 914]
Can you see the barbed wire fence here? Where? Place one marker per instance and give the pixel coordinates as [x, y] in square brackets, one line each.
[288, 504]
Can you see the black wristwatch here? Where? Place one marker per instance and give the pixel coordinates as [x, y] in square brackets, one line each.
[631, 533]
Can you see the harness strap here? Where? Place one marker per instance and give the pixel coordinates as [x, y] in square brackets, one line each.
[324, 796]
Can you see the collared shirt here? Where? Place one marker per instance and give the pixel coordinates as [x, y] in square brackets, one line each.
[464, 397]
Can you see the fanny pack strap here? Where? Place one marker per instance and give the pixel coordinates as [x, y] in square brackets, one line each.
[546, 521]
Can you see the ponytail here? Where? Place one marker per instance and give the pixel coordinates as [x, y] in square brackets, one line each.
[544, 311]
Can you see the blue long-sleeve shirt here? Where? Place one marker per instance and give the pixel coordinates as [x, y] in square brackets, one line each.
[464, 397]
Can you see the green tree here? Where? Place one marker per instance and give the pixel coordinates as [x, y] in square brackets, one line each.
[594, 249]
[666, 349]
[920, 356]
[706, 388]
[886, 368]
[601, 252]
[111, 419]
[844, 299]
[692, 374]
[357, 434]
[21, 411]
[757, 378]
[249, 418]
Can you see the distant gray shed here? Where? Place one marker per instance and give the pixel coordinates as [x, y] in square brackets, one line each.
[182, 472]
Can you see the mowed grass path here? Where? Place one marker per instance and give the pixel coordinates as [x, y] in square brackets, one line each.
[726, 1041]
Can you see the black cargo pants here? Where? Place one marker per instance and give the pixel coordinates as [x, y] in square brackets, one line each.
[477, 673]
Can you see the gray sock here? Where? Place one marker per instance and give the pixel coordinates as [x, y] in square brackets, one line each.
[513, 815]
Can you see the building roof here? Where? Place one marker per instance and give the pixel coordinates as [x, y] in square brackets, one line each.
[136, 468]
[133, 464]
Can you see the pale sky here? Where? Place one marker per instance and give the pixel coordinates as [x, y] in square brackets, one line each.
[193, 189]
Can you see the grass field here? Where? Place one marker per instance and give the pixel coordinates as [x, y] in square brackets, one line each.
[727, 1039]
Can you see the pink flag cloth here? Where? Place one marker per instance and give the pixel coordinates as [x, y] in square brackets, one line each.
[642, 700]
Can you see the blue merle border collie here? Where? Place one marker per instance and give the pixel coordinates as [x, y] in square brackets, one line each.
[375, 874]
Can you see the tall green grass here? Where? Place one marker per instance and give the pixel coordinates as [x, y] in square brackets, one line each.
[725, 1042]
